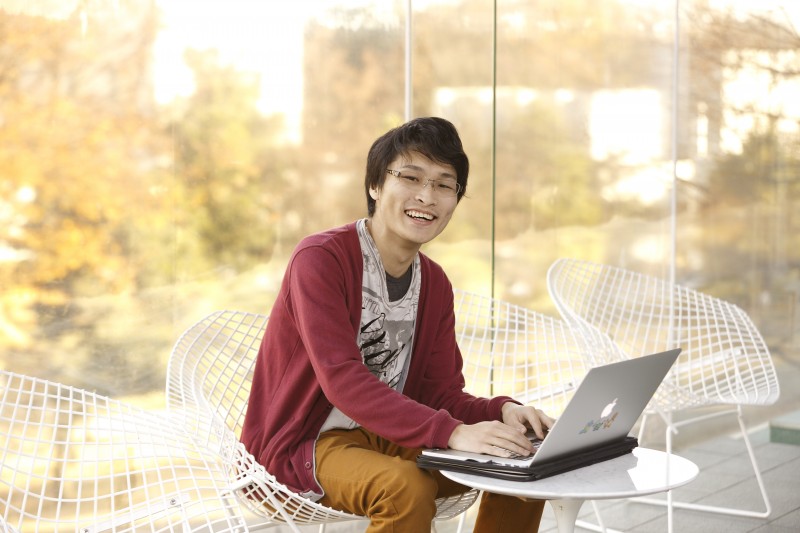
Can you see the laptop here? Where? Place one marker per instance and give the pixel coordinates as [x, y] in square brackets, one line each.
[593, 427]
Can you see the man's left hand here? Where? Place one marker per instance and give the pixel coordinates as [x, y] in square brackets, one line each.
[523, 417]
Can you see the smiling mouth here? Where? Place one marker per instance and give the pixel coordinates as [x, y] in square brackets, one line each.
[417, 215]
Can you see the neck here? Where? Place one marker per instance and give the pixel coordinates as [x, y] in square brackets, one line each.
[396, 256]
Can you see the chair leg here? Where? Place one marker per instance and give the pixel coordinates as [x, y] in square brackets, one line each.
[640, 436]
[461, 521]
[767, 506]
[670, 504]
[599, 518]
[595, 527]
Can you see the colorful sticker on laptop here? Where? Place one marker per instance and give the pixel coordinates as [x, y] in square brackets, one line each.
[607, 418]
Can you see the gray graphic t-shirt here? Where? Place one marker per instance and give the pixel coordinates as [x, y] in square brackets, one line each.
[387, 328]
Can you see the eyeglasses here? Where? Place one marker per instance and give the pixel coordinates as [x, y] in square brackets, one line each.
[447, 187]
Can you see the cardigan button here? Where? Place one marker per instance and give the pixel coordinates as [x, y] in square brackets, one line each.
[308, 465]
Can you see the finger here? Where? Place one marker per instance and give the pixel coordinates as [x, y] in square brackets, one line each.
[525, 418]
[517, 442]
[536, 424]
[502, 452]
[516, 417]
[519, 426]
[545, 423]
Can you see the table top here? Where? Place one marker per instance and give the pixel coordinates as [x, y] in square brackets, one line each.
[642, 472]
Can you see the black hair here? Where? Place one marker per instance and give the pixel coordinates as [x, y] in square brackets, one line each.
[434, 137]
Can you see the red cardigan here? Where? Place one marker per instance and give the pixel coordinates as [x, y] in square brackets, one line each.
[309, 361]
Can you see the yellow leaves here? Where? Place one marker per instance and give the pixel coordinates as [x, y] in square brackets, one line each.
[80, 168]
[17, 318]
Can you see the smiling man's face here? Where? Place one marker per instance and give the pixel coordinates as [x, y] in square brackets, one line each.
[407, 216]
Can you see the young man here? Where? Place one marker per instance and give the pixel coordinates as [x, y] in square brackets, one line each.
[359, 366]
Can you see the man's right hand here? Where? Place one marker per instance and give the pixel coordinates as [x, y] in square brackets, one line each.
[493, 438]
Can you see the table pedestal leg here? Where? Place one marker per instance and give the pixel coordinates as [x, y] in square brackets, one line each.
[566, 512]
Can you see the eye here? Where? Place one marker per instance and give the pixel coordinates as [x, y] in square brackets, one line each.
[411, 178]
[448, 186]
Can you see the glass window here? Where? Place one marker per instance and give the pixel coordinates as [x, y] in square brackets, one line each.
[161, 159]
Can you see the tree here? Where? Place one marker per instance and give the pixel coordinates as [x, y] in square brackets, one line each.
[766, 170]
[76, 154]
[722, 44]
[545, 176]
[354, 79]
[228, 168]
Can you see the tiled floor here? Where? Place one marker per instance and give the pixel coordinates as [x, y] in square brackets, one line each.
[725, 479]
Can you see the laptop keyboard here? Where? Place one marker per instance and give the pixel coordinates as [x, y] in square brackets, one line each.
[536, 441]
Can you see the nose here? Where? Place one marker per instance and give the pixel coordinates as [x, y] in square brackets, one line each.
[426, 193]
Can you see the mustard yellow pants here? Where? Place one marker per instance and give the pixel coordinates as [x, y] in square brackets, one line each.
[367, 475]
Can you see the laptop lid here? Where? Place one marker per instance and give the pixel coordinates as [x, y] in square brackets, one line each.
[606, 405]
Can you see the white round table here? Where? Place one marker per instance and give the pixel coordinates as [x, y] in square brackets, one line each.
[642, 472]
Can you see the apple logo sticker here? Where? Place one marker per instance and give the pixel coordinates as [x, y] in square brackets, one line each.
[607, 418]
[608, 408]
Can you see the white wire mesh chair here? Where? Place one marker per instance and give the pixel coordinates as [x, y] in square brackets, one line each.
[514, 351]
[208, 381]
[724, 361]
[76, 461]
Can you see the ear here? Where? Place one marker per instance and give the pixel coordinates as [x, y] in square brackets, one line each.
[374, 194]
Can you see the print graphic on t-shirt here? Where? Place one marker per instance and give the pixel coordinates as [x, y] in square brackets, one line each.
[386, 334]
[382, 342]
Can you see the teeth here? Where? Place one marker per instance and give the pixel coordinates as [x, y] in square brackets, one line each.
[417, 214]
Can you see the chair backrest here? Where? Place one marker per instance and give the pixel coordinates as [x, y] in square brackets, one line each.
[72, 460]
[210, 372]
[724, 358]
[514, 351]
